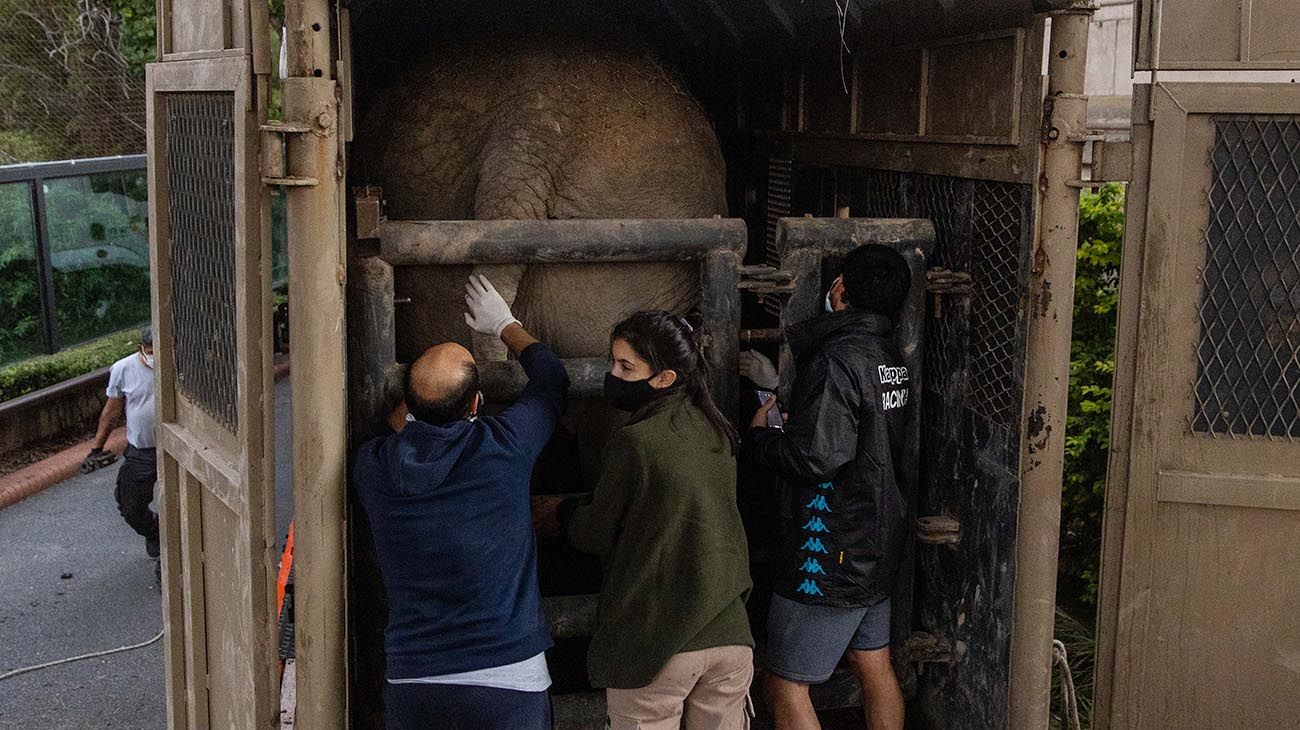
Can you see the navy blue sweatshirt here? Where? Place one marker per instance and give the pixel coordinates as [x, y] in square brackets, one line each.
[449, 506]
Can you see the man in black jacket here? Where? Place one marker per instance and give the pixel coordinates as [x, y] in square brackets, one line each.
[842, 512]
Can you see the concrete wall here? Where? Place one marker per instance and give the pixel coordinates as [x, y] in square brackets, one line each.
[70, 407]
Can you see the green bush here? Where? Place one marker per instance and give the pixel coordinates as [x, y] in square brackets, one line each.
[31, 375]
[1087, 440]
[1092, 366]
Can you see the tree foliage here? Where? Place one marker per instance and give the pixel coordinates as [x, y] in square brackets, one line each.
[1092, 366]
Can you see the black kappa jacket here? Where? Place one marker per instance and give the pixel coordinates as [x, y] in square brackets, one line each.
[843, 516]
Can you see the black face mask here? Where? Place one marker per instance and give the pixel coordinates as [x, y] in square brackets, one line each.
[628, 395]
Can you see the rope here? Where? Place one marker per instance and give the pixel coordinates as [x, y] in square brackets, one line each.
[69, 660]
[1069, 697]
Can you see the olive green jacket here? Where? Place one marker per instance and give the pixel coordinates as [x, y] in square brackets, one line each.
[663, 519]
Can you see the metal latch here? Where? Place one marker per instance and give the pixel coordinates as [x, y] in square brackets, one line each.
[274, 161]
[938, 530]
[368, 202]
[765, 281]
[945, 281]
[1112, 161]
[922, 648]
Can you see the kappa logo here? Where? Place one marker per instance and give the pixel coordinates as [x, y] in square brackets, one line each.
[813, 566]
[891, 375]
[809, 587]
[814, 545]
[826, 485]
[816, 525]
[818, 503]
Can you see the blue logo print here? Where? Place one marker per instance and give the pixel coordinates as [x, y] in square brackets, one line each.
[826, 485]
[814, 545]
[816, 525]
[819, 503]
[811, 565]
[810, 588]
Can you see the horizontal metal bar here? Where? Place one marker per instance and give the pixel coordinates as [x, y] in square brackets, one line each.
[844, 234]
[761, 336]
[414, 243]
[571, 617]
[70, 168]
[503, 381]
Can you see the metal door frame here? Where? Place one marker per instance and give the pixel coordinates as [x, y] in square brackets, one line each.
[1151, 436]
[201, 457]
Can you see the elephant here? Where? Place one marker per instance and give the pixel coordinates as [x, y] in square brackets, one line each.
[541, 126]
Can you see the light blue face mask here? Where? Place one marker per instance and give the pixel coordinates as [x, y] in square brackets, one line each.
[829, 308]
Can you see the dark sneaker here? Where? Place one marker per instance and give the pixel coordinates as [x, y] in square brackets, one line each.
[151, 546]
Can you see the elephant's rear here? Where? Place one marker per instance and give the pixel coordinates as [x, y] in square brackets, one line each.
[549, 127]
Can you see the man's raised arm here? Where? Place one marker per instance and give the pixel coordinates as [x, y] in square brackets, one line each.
[533, 416]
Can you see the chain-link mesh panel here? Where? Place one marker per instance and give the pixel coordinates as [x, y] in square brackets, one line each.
[1248, 366]
[993, 388]
[201, 188]
[879, 194]
[946, 202]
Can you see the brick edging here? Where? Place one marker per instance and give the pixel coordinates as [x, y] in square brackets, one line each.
[64, 465]
[29, 480]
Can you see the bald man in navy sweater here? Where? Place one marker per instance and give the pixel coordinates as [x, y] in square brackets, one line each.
[447, 494]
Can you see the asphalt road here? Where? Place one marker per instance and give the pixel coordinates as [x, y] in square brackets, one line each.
[75, 579]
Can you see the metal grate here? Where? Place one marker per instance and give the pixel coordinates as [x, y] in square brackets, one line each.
[779, 176]
[993, 388]
[1248, 356]
[201, 188]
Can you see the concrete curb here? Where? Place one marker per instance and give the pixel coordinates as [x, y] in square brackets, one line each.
[64, 465]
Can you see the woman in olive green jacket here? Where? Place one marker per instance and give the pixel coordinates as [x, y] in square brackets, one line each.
[672, 642]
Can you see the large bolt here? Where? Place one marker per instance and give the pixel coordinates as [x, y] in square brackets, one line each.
[324, 120]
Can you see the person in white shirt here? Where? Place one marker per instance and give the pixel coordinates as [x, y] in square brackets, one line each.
[130, 393]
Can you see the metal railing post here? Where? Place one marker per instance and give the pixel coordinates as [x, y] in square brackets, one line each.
[318, 364]
[1047, 372]
[44, 267]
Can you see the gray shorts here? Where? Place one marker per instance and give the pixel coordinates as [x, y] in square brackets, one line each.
[804, 643]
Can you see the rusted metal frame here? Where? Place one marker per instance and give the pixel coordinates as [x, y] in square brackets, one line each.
[171, 498]
[228, 462]
[1047, 374]
[803, 243]
[317, 274]
[716, 244]
[475, 242]
[1005, 163]
[1121, 427]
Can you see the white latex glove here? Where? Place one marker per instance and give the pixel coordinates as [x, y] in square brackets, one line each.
[486, 311]
[756, 367]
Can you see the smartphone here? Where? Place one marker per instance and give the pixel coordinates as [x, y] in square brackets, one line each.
[774, 419]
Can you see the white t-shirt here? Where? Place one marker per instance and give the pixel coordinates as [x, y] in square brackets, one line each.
[132, 379]
[529, 675]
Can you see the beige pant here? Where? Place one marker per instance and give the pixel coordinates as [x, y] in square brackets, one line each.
[696, 690]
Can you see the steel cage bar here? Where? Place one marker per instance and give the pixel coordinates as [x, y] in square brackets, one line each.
[716, 244]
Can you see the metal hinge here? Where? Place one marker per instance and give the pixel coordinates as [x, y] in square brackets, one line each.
[274, 161]
[938, 530]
